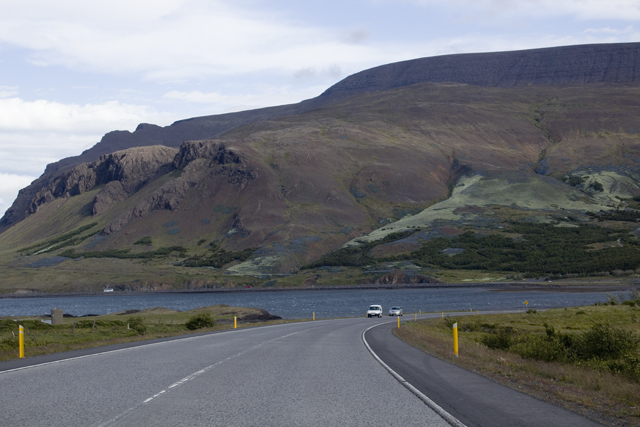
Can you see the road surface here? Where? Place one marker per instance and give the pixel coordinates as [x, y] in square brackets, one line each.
[298, 374]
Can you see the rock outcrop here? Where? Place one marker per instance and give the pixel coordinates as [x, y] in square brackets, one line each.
[127, 171]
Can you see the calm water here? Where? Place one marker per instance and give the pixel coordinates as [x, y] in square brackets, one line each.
[301, 304]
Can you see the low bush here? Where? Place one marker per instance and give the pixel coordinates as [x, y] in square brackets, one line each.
[146, 240]
[137, 324]
[604, 342]
[501, 340]
[199, 321]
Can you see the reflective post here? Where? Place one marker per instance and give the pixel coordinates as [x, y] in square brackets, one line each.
[416, 318]
[21, 340]
[398, 321]
[235, 322]
[455, 339]
[314, 315]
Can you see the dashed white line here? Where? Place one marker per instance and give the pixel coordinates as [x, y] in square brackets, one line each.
[189, 378]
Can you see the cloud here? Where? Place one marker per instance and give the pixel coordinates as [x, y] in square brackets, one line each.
[625, 10]
[262, 96]
[35, 133]
[356, 36]
[6, 91]
[168, 40]
[9, 186]
[42, 115]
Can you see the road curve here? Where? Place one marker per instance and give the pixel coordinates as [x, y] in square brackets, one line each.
[470, 398]
[298, 374]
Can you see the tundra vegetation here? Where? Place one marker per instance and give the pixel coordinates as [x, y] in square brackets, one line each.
[585, 358]
[128, 326]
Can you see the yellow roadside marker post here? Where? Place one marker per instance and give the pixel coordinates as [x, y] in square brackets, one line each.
[398, 322]
[314, 315]
[21, 340]
[416, 318]
[455, 339]
[235, 322]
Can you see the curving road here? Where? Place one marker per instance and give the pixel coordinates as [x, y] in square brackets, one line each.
[300, 374]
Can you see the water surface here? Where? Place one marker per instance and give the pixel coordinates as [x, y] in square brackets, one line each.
[301, 304]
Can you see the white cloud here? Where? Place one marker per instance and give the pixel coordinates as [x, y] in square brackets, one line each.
[6, 91]
[35, 133]
[265, 96]
[42, 115]
[174, 40]
[9, 186]
[626, 10]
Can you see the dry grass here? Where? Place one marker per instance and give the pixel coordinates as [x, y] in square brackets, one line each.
[595, 393]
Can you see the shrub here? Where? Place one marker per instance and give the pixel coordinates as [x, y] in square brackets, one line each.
[146, 240]
[546, 349]
[199, 321]
[628, 366]
[137, 324]
[604, 342]
[501, 340]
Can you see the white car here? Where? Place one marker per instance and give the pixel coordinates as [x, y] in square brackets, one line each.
[395, 311]
[374, 310]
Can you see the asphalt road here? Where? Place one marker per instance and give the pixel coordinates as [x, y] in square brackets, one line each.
[300, 374]
[470, 398]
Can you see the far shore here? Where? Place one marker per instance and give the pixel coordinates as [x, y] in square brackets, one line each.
[541, 286]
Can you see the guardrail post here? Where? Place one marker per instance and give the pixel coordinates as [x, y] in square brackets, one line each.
[21, 340]
[455, 339]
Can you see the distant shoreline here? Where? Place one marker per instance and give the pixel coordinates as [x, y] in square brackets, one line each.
[496, 286]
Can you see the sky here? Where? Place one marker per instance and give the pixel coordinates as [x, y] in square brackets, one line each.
[73, 70]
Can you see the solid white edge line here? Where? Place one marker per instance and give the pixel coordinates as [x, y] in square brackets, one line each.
[430, 403]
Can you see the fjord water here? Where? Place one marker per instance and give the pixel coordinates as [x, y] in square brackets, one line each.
[302, 304]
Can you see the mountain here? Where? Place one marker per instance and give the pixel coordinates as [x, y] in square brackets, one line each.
[383, 161]
[571, 65]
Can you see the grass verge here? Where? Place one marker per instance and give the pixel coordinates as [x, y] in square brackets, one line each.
[129, 326]
[589, 387]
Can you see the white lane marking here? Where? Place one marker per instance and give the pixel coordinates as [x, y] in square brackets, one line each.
[142, 345]
[430, 403]
[189, 378]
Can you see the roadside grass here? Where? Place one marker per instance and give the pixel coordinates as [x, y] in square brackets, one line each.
[128, 326]
[586, 387]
